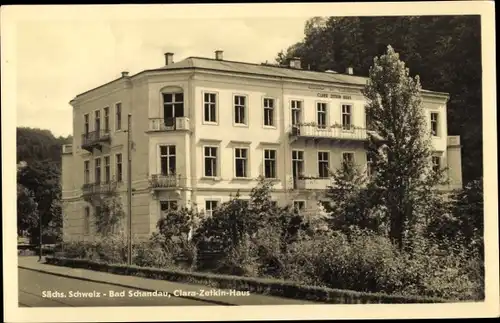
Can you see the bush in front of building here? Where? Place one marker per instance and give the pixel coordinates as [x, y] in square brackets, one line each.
[368, 262]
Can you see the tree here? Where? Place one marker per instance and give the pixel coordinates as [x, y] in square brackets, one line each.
[27, 210]
[42, 178]
[110, 210]
[462, 222]
[350, 200]
[404, 176]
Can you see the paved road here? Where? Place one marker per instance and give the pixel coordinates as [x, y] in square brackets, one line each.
[37, 280]
[32, 286]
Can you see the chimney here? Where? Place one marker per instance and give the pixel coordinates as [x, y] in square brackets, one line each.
[169, 58]
[124, 74]
[218, 55]
[295, 62]
[349, 70]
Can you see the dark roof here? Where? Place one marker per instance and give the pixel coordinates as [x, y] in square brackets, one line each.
[264, 70]
[267, 70]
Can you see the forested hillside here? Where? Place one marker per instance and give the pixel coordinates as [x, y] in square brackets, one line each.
[39, 144]
[444, 51]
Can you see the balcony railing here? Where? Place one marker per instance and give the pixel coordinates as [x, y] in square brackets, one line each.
[94, 139]
[98, 188]
[160, 181]
[339, 132]
[169, 124]
[67, 149]
[453, 141]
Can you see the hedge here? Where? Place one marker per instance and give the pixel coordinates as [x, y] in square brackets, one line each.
[264, 286]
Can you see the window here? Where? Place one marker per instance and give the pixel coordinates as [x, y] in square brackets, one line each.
[325, 204]
[269, 112]
[210, 206]
[106, 119]
[86, 128]
[210, 107]
[86, 172]
[436, 163]
[86, 220]
[269, 163]
[119, 170]
[107, 170]
[167, 160]
[346, 116]
[323, 164]
[97, 174]
[210, 157]
[434, 124]
[97, 121]
[173, 107]
[369, 165]
[347, 159]
[240, 109]
[274, 203]
[299, 205]
[166, 206]
[118, 111]
[297, 163]
[321, 115]
[296, 107]
[241, 162]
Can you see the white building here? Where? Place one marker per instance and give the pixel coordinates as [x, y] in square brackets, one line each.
[203, 128]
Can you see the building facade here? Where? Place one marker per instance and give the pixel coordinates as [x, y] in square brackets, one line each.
[204, 128]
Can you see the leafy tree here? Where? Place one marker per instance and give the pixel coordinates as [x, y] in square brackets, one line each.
[108, 220]
[469, 209]
[350, 200]
[43, 179]
[404, 176]
[27, 210]
[40, 151]
[461, 220]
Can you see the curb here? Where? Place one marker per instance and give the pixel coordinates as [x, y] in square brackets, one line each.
[123, 285]
[283, 289]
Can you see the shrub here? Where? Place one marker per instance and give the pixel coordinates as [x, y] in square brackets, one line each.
[111, 249]
[77, 249]
[152, 254]
[240, 260]
[367, 262]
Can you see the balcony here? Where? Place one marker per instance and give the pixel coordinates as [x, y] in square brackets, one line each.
[317, 183]
[95, 139]
[67, 149]
[169, 124]
[453, 141]
[334, 132]
[161, 182]
[92, 189]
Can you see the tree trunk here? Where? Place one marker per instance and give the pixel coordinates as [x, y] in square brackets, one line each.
[396, 228]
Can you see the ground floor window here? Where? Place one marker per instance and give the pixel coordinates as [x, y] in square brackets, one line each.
[210, 206]
[299, 205]
[166, 206]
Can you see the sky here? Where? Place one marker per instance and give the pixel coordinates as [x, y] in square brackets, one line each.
[58, 59]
